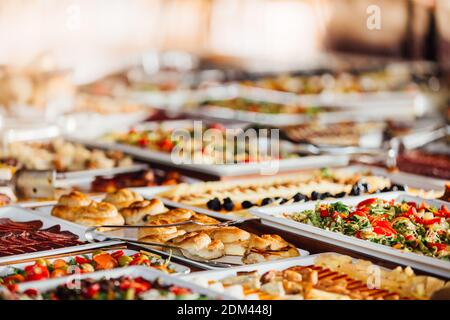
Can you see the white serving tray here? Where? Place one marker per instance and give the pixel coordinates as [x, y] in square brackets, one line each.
[269, 216]
[353, 107]
[19, 214]
[8, 269]
[131, 234]
[260, 267]
[134, 271]
[408, 179]
[239, 169]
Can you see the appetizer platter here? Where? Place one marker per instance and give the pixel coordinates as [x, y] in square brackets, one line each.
[235, 198]
[191, 237]
[270, 107]
[25, 234]
[133, 283]
[390, 81]
[327, 276]
[51, 268]
[166, 143]
[403, 229]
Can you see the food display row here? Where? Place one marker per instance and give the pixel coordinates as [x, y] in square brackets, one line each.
[257, 265]
[278, 187]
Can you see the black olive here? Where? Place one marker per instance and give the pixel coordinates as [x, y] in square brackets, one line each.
[246, 204]
[299, 197]
[340, 195]
[228, 204]
[283, 201]
[385, 189]
[397, 187]
[214, 204]
[314, 195]
[266, 201]
[356, 190]
[325, 195]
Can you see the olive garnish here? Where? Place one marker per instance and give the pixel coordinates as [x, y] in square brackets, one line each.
[314, 195]
[228, 204]
[214, 204]
[299, 197]
[266, 201]
[246, 204]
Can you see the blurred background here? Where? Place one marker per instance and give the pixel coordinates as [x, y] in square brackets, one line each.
[96, 37]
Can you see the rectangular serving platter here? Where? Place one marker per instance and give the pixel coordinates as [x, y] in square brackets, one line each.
[269, 216]
[8, 269]
[239, 169]
[134, 271]
[131, 234]
[353, 107]
[409, 179]
[19, 214]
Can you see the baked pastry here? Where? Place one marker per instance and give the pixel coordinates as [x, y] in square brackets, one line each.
[94, 214]
[202, 219]
[268, 247]
[139, 211]
[171, 216]
[200, 244]
[74, 199]
[234, 239]
[122, 198]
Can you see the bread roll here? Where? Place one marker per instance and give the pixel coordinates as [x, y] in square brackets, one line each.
[122, 198]
[138, 211]
[74, 199]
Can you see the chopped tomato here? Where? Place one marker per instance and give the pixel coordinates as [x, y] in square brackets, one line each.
[166, 145]
[431, 221]
[443, 212]
[117, 254]
[142, 142]
[81, 260]
[438, 246]
[93, 290]
[36, 272]
[383, 228]
[324, 213]
[179, 291]
[31, 292]
[367, 202]
[410, 237]
[360, 213]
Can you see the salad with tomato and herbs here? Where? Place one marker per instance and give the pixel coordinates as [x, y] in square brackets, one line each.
[123, 288]
[43, 269]
[408, 226]
[214, 144]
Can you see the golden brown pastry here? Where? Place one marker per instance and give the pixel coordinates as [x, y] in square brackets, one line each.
[202, 219]
[234, 239]
[201, 245]
[139, 211]
[122, 198]
[74, 199]
[162, 237]
[94, 214]
[268, 247]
